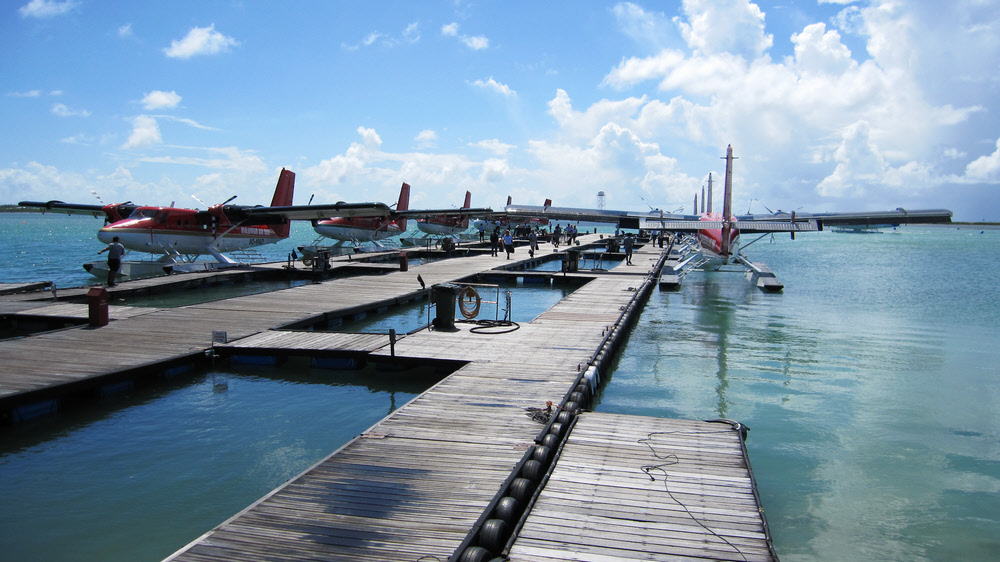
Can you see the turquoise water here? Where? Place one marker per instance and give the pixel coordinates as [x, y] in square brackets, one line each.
[870, 386]
[54, 247]
[527, 301]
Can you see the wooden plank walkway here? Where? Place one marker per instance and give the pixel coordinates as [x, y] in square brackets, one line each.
[278, 340]
[639, 488]
[42, 363]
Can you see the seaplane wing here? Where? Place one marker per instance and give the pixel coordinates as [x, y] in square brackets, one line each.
[122, 209]
[247, 214]
[569, 213]
[434, 213]
[759, 223]
[802, 222]
[280, 214]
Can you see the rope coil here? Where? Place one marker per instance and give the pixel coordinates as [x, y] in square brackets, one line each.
[469, 302]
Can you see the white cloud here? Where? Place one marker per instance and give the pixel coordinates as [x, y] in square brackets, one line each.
[82, 139]
[494, 170]
[652, 29]
[39, 182]
[412, 33]
[426, 138]
[158, 99]
[28, 94]
[985, 168]
[584, 125]
[62, 110]
[493, 146]
[145, 132]
[341, 167]
[475, 43]
[200, 41]
[46, 8]
[125, 31]
[820, 51]
[859, 164]
[409, 35]
[189, 122]
[495, 86]
[220, 158]
[724, 26]
[823, 118]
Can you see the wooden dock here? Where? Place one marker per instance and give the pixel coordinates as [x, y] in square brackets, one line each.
[421, 482]
[638, 488]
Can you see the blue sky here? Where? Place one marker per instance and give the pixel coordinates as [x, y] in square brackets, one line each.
[832, 105]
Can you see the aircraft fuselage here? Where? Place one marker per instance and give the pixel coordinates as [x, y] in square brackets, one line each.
[357, 229]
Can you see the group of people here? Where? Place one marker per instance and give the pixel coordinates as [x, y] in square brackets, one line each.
[501, 242]
[571, 233]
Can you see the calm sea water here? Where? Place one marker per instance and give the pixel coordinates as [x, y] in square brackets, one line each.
[138, 476]
[869, 384]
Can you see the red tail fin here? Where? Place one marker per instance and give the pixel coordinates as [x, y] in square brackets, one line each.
[403, 204]
[283, 193]
[467, 205]
[548, 203]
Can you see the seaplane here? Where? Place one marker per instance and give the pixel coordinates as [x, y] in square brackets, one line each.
[372, 229]
[182, 235]
[505, 220]
[367, 229]
[711, 240]
[447, 225]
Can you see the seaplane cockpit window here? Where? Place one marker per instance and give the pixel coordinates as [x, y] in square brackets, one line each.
[143, 213]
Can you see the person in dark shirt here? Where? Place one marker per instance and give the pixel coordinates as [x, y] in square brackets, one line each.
[115, 252]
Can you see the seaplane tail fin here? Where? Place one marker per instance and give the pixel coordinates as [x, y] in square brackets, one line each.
[727, 202]
[403, 204]
[547, 204]
[468, 205]
[508, 200]
[283, 194]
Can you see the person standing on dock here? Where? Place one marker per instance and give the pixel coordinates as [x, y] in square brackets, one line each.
[508, 243]
[115, 252]
[482, 231]
[532, 242]
[494, 241]
[629, 243]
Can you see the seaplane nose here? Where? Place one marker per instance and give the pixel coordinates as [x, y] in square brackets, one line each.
[106, 234]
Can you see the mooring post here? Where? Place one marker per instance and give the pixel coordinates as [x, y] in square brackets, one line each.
[392, 342]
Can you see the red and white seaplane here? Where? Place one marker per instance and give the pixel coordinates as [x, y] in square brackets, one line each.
[447, 225]
[360, 230]
[717, 235]
[182, 235]
[367, 229]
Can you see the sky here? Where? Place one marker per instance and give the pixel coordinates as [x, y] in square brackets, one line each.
[828, 105]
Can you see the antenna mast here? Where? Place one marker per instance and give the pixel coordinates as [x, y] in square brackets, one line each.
[710, 192]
